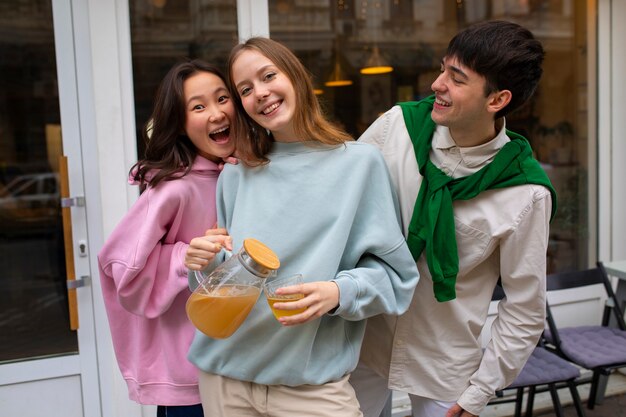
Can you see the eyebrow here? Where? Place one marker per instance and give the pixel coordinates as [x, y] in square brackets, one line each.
[455, 70]
[192, 98]
[214, 91]
[201, 96]
[260, 71]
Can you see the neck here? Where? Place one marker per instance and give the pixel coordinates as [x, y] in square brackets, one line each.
[286, 134]
[466, 138]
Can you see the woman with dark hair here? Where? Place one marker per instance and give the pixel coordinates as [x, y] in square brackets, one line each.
[142, 271]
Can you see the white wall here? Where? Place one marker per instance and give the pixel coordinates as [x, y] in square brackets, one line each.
[107, 113]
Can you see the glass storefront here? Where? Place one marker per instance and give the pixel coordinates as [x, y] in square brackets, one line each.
[338, 39]
[34, 313]
[164, 32]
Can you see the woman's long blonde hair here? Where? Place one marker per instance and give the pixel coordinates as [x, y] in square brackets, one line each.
[253, 141]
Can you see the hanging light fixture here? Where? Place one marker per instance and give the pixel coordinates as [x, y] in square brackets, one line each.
[376, 64]
[337, 77]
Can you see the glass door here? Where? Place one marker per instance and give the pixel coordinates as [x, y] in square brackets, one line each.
[34, 309]
[43, 345]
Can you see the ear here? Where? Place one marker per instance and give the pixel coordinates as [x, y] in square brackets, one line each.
[498, 100]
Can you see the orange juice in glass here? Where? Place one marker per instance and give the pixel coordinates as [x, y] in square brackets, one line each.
[270, 287]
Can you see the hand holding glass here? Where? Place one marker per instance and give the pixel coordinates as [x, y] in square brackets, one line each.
[270, 286]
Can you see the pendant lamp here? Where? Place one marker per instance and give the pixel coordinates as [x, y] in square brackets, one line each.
[376, 64]
[337, 77]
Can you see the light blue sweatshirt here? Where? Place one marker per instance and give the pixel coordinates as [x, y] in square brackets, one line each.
[330, 214]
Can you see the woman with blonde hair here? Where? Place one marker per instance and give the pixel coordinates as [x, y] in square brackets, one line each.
[325, 205]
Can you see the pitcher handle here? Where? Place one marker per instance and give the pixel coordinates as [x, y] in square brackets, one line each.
[201, 275]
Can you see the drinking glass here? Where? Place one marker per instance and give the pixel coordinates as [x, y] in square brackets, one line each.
[271, 285]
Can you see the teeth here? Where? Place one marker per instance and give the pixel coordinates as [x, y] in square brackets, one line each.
[441, 102]
[271, 108]
[218, 130]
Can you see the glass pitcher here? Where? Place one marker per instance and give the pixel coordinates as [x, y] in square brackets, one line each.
[223, 298]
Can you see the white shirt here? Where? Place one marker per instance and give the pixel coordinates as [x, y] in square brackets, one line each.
[434, 349]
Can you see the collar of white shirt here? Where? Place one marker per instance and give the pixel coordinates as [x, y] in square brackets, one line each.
[473, 156]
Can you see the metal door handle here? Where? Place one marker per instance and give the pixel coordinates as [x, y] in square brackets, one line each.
[78, 201]
[83, 281]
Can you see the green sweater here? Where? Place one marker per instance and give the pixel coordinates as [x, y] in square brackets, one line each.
[432, 224]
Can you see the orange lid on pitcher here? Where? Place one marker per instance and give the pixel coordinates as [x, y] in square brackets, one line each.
[261, 257]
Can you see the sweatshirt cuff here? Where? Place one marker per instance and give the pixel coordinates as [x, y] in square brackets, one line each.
[474, 400]
[181, 250]
[348, 292]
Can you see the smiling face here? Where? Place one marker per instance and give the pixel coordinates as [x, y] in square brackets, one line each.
[461, 104]
[209, 115]
[267, 94]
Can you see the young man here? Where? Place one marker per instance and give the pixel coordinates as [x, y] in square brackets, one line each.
[475, 208]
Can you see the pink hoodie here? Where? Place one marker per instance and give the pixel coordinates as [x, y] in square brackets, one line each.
[145, 287]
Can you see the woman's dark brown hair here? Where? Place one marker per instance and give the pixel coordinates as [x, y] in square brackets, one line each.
[169, 151]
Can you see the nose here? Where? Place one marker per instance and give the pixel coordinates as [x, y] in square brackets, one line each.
[261, 93]
[438, 85]
[215, 115]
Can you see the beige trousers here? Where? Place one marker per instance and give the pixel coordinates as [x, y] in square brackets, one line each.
[226, 397]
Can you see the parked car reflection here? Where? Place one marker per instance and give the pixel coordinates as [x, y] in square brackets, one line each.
[30, 204]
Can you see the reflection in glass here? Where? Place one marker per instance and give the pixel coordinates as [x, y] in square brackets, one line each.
[413, 36]
[337, 77]
[34, 320]
[164, 32]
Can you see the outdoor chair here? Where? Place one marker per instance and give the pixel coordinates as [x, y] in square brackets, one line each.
[600, 349]
[544, 371]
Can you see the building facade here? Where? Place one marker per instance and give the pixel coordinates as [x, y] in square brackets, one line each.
[77, 82]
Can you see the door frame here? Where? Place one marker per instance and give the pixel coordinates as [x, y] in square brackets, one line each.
[104, 78]
[611, 193]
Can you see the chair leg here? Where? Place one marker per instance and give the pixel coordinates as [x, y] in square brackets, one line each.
[531, 401]
[519, 398]
[593, 391]
[558, 410]
[576, 398]
[602, 383]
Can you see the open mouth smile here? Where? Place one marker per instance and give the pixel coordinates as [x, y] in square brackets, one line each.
[442, 103]
[220, 135]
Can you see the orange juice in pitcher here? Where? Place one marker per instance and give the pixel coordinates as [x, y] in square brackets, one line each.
[224, 298]
[221, 311]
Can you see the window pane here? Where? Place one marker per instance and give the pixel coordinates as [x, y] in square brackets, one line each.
[336, 37]
[34, 317]
[164, 32]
